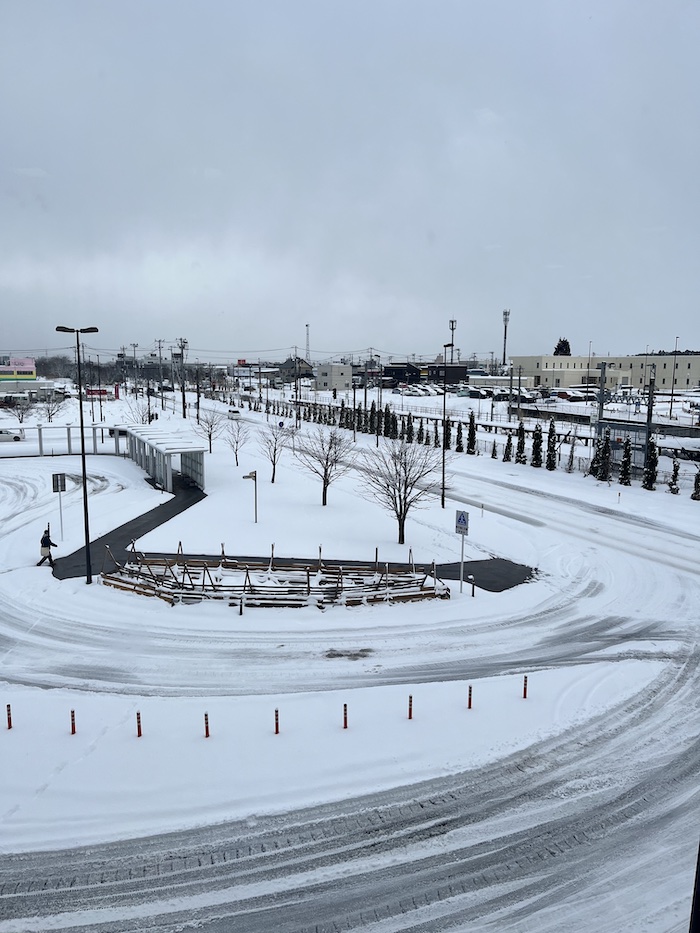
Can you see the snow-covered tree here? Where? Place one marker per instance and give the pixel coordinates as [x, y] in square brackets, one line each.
[651, 467]
[52, 405]
[327, 454]
[551, 461]
[210, 424]
[471, 434]
[237, 437]
[399, 477]
[605, 467]
[626, 463]
[536, 458]
[272, 441]
[520, 446]
[508, 452]
[459, 445]
[673, 481]
[695, 494]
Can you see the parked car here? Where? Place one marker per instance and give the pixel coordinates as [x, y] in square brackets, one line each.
[120, 432]
[234, 414]
[7, 435]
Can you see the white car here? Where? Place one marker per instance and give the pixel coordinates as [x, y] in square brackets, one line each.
[7, 435]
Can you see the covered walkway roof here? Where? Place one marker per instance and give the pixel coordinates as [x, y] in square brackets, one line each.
[154, 448]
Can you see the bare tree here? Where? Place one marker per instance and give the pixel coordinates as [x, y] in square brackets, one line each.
[52, 405]
[21, 409]
[236, 437]
[326, 454]
[399, 476]
[210, 424]
[273, 439]
[139, 409]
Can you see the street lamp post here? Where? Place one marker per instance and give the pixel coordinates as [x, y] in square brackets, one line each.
[78, 331]
[254, 476]
[673, 380]
[446, 347]
[506, 318]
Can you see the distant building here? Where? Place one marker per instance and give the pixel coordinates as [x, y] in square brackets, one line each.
[336, 376]
[680, 371]
[17, 368]
[293, 368]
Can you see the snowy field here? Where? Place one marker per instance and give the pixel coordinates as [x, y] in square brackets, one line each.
[606, 632]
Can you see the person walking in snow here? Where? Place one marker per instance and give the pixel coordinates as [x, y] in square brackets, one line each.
[46, 545]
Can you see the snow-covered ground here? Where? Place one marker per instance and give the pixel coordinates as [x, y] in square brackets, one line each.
[606, 631]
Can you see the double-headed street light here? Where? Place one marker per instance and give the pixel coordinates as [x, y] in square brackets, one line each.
[78, 331]
[446, 347]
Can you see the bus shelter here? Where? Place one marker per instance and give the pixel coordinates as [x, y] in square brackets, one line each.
[162, 454]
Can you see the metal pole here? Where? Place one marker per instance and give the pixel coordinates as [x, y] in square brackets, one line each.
[673, 380]
[444, 421]
[255, 484]
[78, 331]
[506, 318]
[354, 413]
[650, 410]
[695, 909]
[88, 559]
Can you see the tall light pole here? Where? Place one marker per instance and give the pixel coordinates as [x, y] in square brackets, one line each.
[78, 331]
[588, 370]
[445, 346]
[673, 379]
[453, 327]
[506, 318]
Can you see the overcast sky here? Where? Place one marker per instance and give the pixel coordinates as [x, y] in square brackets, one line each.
[229, 172]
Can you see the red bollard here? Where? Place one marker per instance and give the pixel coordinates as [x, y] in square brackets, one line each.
[138, 725]
[72, 722]
[9, 716]
[469, 699]
[206, 725]
[345, 715]
[410, 706]
[277, 722]
[525, 687]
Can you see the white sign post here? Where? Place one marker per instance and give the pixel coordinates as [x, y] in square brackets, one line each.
[59, 486]
[462, 528]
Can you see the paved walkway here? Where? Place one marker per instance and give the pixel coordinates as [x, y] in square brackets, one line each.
[495, 575]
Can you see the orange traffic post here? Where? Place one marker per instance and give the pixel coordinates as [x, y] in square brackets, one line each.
[469, 698]
[206, 725]
[138, 725]
[9, 716]
[345, 715]
[410, 706]
[72, 722]
[277, 722]
[525, 687]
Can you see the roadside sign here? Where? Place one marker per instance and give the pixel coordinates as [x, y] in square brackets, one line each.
[462, 523]
[59, 486]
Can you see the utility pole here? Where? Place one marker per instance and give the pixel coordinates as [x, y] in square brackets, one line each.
[123, 355]
[650, 410]
[506, 318]
[182, 344]
[673, 380]
[136, 384]
[160, 373]
[198, 387]
[453, 328]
